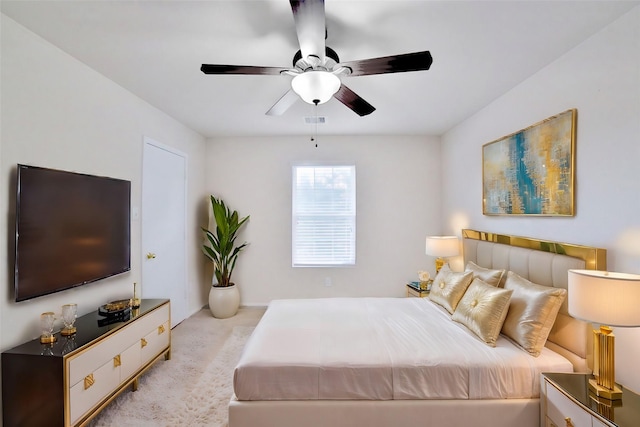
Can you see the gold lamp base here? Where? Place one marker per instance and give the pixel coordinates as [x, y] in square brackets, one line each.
[439, 264]
[604, 384]
[612, 394]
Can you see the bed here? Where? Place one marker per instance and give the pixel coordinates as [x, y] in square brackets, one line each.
[417, 362]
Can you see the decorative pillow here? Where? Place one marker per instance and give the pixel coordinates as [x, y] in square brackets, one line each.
[532, 312]
[483, 309]
[448, 287]
[487, 275]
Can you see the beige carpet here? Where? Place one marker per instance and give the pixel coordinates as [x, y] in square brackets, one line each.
[194, 387]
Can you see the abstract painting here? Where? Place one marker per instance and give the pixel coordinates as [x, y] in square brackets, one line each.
[531, 172]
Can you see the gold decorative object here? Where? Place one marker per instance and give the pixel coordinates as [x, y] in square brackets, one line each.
[117, 305]
[135, 302]
[69, 315]
[604, 298]
[47, 320]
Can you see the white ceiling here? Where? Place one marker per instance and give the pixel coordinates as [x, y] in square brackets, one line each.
[481, 50]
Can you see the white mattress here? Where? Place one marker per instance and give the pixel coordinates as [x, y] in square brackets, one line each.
[380, 349]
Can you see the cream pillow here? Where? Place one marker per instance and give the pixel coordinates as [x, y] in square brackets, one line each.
[487, 275]
[532, 312]
[483, 309]
[448, 287]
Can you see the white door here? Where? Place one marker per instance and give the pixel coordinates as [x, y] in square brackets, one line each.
[163, 227]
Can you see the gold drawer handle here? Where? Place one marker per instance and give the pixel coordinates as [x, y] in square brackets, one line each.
[568, 421]
[116, 361]
[160, 329]
[143, 343]
[88, 381]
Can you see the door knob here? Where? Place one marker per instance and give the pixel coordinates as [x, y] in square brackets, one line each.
[151, 255]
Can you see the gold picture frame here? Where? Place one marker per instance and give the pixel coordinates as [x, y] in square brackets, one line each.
[531, 171]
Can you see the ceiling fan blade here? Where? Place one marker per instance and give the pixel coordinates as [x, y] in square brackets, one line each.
[310, 26]
[283, 104]
[353, 101]
[416, 61]
[239, 69]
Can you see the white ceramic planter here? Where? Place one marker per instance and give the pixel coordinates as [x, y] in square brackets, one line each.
[224, 301]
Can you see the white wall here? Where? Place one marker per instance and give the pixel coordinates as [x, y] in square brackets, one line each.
[397, 184]
[601, 78]
[58, 113]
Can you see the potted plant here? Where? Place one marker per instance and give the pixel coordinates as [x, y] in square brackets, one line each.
[221, 249]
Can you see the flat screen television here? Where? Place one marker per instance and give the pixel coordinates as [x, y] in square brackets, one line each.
[71, 229]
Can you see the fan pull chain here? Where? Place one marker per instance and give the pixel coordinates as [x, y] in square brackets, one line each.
[314, 138]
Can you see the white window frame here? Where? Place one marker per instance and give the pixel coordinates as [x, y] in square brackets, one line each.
[338, 253]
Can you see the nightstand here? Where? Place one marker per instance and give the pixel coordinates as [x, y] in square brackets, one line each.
[565, 401]
[415, 291]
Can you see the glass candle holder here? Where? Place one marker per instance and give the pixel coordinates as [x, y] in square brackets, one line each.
[69, 315]
[46, 327]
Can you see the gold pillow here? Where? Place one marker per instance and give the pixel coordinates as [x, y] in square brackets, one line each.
[487, 275]
[483, 309]
[448, 287]
[532, 312]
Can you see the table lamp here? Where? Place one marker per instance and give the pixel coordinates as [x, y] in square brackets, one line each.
[441, 247]
[610, 299]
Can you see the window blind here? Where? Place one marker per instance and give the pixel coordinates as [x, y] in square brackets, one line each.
[324, 216]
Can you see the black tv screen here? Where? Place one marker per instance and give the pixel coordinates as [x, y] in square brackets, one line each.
[71, 229]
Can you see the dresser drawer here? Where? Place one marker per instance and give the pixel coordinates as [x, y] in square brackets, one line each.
[131, 361]
[561, 409]
[95, 386]
[154, 342]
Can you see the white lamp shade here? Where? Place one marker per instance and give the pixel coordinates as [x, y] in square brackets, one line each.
[604, 297]
[315, 85]
[442, 246]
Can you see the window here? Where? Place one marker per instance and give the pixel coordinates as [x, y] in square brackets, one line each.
[324, 216]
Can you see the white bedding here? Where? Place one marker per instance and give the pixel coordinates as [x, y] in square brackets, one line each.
[380, 349]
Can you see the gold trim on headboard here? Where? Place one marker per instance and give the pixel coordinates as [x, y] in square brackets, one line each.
[594, 258]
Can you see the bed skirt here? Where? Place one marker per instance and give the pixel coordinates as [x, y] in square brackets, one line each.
[387, 413]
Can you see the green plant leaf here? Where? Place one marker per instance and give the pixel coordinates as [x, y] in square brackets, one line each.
[221, 249]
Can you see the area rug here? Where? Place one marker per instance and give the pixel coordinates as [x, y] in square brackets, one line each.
[195, 386]
[206, 404]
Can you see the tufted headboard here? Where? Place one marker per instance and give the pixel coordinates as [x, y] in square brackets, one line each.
[545, 263]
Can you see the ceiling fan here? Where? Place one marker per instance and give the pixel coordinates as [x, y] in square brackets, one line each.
[317, 69]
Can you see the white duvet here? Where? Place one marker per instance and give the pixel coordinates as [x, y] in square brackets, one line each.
[380, 349]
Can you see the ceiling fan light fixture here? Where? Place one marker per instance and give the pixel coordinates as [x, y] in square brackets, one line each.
[315, 87]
